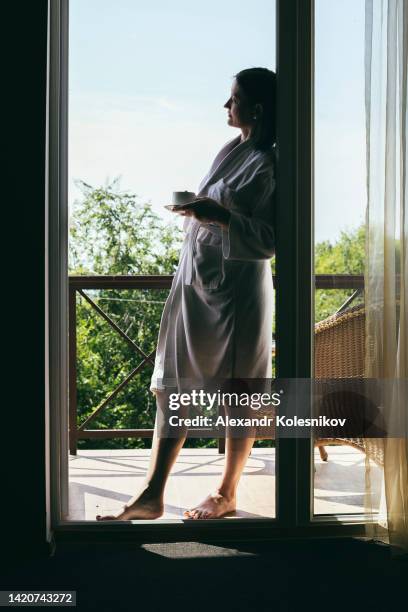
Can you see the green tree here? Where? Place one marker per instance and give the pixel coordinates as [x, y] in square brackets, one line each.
[345, 256]
[112, 233]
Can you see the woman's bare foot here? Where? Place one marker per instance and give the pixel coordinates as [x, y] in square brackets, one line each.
[143, 506]
[213, 506]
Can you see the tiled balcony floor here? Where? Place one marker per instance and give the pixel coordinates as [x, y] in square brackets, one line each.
[102, 481]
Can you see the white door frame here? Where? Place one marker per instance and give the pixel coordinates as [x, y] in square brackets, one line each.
[294, 466]
[57, 224]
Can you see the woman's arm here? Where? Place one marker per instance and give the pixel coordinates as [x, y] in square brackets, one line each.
[250, 236]
[206, 210]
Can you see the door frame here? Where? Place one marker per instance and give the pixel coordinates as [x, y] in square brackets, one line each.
[57, 251]
[294, 305]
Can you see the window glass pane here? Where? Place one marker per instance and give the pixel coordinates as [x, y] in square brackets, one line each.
[340, 203]
[147, 86]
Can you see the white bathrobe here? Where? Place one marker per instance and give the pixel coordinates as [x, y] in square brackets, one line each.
[217, 320]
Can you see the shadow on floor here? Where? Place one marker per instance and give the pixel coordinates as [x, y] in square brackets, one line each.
[319, 575]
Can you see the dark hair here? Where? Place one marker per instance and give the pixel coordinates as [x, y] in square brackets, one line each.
[259, 86]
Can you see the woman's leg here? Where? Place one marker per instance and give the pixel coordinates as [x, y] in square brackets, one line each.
[238, 445]
[223, 500]
[148, 503]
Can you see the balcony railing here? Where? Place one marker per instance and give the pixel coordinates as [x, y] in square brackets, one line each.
[80, 284]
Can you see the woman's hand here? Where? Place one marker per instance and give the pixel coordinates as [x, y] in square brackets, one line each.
[206, 210]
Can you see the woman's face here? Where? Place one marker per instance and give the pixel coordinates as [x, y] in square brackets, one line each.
[239, 110]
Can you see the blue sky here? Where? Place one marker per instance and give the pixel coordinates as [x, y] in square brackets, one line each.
[148, 82]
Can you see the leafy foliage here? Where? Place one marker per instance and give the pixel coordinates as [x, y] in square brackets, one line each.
[346, 256]
[111, 233]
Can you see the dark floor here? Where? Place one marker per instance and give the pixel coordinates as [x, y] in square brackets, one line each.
[320, 575]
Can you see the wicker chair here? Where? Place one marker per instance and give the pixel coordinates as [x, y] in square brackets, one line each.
[339, 353]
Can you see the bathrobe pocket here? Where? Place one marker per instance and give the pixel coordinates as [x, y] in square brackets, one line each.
[208, 261]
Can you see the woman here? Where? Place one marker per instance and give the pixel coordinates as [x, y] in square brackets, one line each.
[217, 320]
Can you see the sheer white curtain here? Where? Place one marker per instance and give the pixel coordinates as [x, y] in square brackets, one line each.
[386, 274]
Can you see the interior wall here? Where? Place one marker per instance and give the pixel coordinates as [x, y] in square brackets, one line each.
[22, 485]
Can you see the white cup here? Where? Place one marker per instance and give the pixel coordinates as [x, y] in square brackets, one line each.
[182, 197]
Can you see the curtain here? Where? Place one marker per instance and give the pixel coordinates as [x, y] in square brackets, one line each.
[386, 272]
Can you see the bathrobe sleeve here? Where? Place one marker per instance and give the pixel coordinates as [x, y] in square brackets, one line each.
[186, 224]
[250, 235]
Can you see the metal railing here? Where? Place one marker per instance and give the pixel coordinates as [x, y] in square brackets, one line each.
[80, 284]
